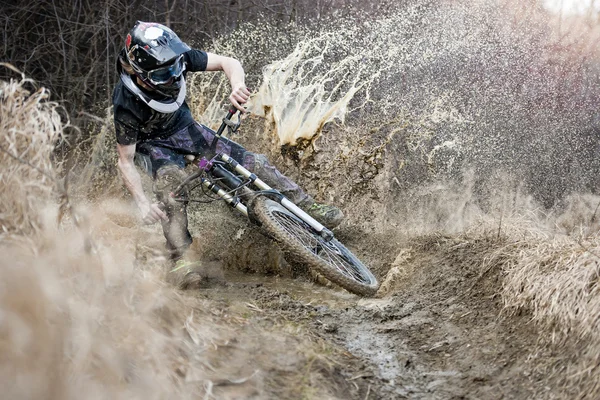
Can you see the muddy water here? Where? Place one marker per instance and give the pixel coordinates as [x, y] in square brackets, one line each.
[363, 340]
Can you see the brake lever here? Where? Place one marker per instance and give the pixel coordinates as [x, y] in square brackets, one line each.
[232, 127]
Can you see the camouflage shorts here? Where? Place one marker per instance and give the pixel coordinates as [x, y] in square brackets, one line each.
[162, 157]
[196, 139]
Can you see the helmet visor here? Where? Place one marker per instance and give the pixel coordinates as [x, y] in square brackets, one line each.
[167, 74]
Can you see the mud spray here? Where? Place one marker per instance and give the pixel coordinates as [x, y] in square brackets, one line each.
[456, 137]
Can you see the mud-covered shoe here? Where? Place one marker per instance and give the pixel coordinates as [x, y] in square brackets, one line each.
[188, 274]
[329, 216]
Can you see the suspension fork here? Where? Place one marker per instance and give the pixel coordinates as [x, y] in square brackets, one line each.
[217, 171]
[233, 201]
[256, 181]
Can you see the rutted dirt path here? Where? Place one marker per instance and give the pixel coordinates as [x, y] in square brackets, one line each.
[437, 329]
[440, 337]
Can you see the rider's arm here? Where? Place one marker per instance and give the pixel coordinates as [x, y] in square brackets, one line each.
[235, 72]
[131, 177]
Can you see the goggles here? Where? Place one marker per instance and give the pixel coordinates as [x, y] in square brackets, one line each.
[160, 106]
[162, 75]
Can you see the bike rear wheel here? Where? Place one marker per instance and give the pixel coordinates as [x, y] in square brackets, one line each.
[330, 258]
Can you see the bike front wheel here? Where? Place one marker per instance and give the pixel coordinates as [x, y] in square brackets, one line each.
[328, 257]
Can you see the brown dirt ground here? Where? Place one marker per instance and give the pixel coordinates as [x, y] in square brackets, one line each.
[435, 331]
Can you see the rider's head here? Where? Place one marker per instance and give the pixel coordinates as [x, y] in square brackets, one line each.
[154, 54]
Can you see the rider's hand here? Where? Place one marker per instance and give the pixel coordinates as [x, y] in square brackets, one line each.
[152, 213]
[239, 95]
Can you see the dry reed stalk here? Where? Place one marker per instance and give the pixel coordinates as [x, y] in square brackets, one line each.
[30, 126]
[556, 278]
[71, 319]
[559, 281]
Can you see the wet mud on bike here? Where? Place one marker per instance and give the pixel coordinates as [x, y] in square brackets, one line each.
[302, 239]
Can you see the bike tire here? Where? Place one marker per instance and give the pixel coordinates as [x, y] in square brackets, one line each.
[330, 258]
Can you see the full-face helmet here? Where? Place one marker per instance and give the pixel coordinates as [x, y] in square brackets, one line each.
[155, 54]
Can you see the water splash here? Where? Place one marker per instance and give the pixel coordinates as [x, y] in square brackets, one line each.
[306, 90]
[467, 85]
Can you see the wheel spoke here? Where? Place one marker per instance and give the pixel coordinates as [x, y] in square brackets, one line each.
[329, 252]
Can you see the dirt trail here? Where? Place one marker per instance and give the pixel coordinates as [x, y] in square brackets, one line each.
[259, 329]
[436, 330]
[438, 333]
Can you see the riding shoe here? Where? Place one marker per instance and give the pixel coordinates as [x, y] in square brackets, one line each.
[329, 216]
[188, 274]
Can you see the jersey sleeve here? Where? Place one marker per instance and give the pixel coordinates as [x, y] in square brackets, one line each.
[126, 125]
[124, 128]
[196, 60]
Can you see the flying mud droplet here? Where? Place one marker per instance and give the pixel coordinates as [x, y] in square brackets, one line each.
[310, 87]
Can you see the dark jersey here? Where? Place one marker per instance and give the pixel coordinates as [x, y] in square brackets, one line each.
[135, 121]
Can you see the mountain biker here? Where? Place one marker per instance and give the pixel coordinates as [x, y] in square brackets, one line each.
[153, 123]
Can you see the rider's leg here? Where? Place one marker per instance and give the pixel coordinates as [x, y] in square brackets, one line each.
[260, 165]
[329, 216]
[176, 232]
[167, 159]
[187, 270]
[256, 163]
[167, 169]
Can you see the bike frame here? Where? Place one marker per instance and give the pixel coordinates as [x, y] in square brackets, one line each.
[209, 172]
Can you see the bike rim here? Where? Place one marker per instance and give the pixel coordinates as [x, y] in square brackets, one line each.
[331, 252]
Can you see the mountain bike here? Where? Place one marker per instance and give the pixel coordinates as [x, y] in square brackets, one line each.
[302, 239]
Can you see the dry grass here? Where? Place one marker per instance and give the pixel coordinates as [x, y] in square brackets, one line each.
[556, 279]
[30, 126]
[558, 282]
[76, 323]
[84, 307]
[75, 318]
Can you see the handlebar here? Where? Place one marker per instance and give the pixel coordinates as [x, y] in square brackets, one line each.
[233, 126]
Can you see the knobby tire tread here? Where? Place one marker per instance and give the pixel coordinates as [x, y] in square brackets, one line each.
[291, 246]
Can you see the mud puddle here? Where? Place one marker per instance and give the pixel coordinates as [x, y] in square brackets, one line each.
[291, 310]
